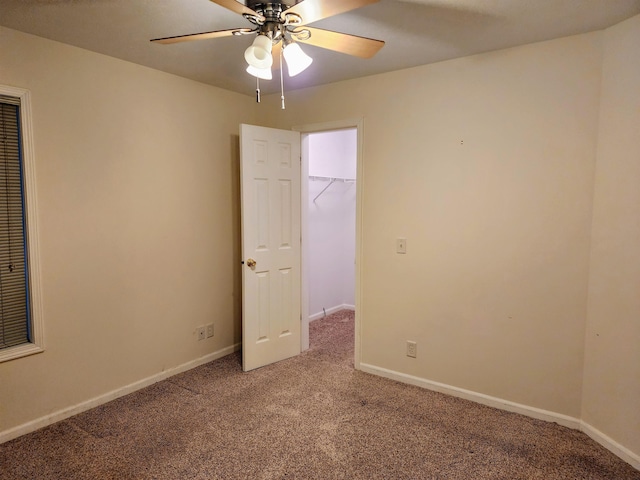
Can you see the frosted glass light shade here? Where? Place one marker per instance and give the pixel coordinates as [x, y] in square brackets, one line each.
[297, 60]
[258, 55]
[263, 73]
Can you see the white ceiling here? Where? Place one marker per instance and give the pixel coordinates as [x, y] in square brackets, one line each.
[416, 32]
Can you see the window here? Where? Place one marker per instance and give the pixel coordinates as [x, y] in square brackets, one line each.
[20, 299]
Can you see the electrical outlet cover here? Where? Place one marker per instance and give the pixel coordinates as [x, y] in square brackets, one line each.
[412, 349]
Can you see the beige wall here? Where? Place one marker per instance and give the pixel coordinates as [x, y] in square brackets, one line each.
[139, 230]
[611, 399]
[485, 164]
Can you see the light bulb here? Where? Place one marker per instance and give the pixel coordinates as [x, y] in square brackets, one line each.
[297, 60]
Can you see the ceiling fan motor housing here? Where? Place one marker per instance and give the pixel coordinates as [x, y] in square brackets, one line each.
[274, 23]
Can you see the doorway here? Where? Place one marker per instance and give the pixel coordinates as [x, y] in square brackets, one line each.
[331, 219]
[331, 214]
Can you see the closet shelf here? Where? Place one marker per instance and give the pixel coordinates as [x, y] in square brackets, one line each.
[328, 179]
[331, 181]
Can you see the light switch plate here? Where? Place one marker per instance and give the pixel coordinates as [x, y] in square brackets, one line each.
[401, 245]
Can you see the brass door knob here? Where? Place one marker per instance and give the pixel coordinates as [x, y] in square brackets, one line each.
[251, 263]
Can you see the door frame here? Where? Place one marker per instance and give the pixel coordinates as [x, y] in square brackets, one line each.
[305, 130]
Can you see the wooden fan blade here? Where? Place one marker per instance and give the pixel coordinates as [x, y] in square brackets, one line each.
[314, 10]
[200, 36]
[238, 8]
[341, 42]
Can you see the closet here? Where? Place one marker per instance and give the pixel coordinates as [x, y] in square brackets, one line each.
[331, 221]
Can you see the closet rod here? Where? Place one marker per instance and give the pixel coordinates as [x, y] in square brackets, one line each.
[331, 180]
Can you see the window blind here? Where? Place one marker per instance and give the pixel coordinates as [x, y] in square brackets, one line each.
[14, 321]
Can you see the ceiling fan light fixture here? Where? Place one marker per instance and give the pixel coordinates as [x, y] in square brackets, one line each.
[282, 23]
[297, 60]
[261, 73]
[258, 55]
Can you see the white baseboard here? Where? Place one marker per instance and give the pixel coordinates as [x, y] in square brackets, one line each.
[610, 444]
[331, 310]
[507, 405]
[614, 447]
[54, 417]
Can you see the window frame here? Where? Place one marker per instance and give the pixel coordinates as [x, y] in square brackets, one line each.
[30, 213]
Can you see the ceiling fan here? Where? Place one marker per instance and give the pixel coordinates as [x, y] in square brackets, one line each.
[279, 26]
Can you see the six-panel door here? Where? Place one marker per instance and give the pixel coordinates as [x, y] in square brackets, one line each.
[270, 191]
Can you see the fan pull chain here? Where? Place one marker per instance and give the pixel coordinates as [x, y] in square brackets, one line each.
[281, 80]
[257, 90]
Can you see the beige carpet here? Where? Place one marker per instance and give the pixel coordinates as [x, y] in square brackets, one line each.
[310, 417]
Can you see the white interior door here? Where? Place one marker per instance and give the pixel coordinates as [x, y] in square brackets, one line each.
[270, 203]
